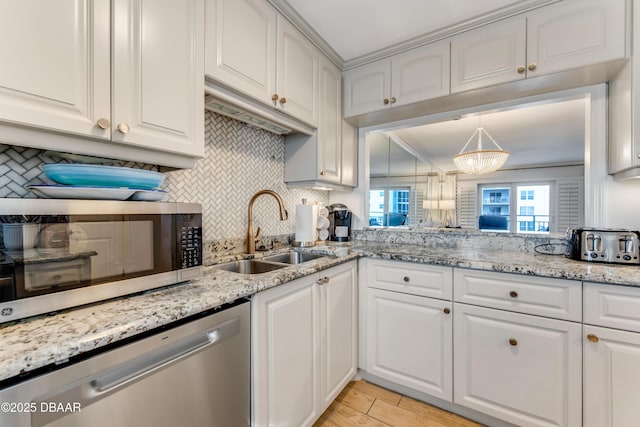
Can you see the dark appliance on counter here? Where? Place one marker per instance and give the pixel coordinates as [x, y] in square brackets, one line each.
[340, 223]
[603, 245]
[92, 250]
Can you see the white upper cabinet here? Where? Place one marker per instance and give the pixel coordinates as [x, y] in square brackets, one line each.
[104, 70]
[575, 34]
[254, 50]
[241, 46]
[417, 75]
[56, 68]
[563, 36]
[329, 127]
[297, 74]
[157, 74]
[489, 55]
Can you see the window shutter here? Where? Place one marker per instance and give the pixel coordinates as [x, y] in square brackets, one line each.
[569, 203]
[416, 214]
[466, 204]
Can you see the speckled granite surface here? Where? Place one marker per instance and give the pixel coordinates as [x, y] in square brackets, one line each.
[44, 340]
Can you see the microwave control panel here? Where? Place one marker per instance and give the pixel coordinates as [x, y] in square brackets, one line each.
[190, 242]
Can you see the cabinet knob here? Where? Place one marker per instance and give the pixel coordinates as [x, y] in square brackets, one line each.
[521, 69]
[406, 279]
[103, 123]
[386, 101]
[274, 97]
[513, 294]
[513, 342]
[532, 66]
[393, 99]
[283, 100]
[123, 128]
[322, 173]
[447, 310]
[593, 338]
[323, 280]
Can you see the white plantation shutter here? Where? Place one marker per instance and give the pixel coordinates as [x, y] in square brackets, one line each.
[416, 212]
[466, 204]
[569, 203]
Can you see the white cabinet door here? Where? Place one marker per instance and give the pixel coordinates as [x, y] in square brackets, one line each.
[297, 74]
[241, 46]
[420, 74]
[55, 67]
[367, 88]
[575, 34]
[285, 335]
[329, 155]
[409, 341]
[338, 314]
[349, 170]
[158, 64]
[611, 377]
[523, 369]
[489, 55]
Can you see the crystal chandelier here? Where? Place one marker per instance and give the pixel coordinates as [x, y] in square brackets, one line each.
[480, 161]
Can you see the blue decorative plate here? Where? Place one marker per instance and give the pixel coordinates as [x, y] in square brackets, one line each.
[103, 176]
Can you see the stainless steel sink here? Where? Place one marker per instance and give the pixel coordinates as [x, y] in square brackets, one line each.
[293, 257]
[250, 266]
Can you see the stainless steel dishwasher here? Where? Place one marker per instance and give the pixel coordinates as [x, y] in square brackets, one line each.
[196, 374]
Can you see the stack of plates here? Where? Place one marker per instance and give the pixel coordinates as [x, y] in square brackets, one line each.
[80, 181]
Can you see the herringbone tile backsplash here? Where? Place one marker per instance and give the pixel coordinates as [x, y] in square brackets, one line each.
[239, 160]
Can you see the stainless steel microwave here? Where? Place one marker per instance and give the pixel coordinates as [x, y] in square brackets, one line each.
[56, 254]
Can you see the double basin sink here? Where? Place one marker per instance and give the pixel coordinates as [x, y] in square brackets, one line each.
[269, 263]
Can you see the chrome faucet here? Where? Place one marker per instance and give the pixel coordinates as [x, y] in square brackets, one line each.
[251, 238]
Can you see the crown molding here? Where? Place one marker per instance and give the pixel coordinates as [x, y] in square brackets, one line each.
[488, 18]
[285, 9]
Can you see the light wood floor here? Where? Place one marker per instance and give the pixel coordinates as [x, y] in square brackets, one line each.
[365, 404]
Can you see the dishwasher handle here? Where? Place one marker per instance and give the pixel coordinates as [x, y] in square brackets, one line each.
[133, 372]
[120, 376]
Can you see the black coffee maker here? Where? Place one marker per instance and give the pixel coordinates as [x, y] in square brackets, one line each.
[339, 223]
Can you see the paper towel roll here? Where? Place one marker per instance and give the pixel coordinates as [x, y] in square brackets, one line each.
[323, 223]
[306, 222]
[324, 212]
[323, 234]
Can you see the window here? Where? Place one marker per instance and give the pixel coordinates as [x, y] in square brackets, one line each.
[389, 207]
[529, 212]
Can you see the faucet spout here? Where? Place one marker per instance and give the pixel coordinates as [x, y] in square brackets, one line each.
[251, 238]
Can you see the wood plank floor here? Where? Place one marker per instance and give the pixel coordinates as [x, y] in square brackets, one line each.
[365, 404]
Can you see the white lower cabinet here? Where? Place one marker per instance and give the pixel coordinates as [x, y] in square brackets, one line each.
[304, 346]
[409, 341]
[611, 356]
[523, 369]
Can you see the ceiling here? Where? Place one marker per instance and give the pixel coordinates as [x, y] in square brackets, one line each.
[358, 27]
[543, 134]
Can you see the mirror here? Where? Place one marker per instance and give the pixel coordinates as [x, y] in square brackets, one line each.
[538, 190]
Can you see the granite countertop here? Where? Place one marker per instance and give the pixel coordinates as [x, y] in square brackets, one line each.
[52, 339]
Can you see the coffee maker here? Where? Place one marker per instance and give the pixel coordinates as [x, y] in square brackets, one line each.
[340, 218]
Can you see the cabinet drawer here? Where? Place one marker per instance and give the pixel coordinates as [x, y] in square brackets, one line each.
[417, 279]
[558, 298]
[612, 306]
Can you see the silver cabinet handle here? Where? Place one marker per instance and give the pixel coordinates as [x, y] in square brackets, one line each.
[323, 280]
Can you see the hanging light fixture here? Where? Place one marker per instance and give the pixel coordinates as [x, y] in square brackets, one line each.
[480, 161]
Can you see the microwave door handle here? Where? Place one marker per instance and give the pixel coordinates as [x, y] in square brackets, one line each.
[133, 371]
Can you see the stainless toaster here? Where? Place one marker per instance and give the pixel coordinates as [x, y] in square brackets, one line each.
[603, 245]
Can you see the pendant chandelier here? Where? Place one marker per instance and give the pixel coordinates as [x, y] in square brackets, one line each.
[480, 161]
